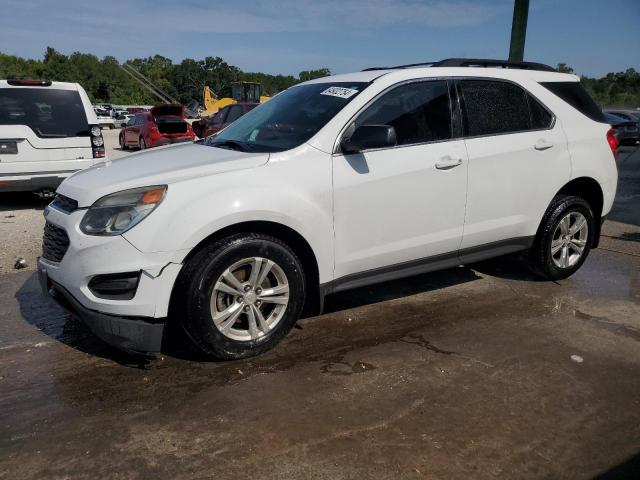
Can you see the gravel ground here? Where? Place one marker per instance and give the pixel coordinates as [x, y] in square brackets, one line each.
[21, 220]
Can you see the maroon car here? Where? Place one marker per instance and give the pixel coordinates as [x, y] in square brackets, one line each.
[229, 114]
[162, 125]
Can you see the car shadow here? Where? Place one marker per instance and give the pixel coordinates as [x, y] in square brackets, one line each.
[52, 320]
[55, 322]
[11, 201]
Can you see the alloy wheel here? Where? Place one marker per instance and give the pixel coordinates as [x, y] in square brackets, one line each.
[569, 240]
[249, 299]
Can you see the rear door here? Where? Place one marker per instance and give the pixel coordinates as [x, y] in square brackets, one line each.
[42, 125]
[518, 160]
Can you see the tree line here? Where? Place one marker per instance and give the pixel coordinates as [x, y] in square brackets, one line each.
[106, 82]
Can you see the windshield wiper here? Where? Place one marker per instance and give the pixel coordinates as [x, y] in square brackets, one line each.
[231, 145]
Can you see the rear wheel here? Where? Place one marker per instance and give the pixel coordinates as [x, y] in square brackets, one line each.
[141, 143]
[564, 238]
[241, 295]
[123, 146]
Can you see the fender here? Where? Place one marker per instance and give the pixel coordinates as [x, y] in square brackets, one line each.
[186, 217]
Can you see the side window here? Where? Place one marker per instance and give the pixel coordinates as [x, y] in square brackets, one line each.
[540, 117]
[420, 112]
[218, 118]
[235, 113]
[492, 107]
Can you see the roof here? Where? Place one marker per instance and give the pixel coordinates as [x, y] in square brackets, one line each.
[426, 72]
[54, 85]
[458, 67]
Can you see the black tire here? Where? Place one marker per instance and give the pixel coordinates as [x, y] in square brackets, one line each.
[199, 276]
[540, 256]
[123, 146]
[142, 144]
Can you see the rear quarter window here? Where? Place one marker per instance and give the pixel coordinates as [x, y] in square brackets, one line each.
[575, 95]
[49, 112]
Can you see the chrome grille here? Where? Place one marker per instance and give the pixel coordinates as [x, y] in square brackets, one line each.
[55, 243]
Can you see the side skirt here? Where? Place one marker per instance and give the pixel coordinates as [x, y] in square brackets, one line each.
[425, 265]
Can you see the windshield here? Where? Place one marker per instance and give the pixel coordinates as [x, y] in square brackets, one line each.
[48, 112]
[288, 119]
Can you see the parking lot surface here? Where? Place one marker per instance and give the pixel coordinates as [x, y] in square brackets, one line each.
[476, 372]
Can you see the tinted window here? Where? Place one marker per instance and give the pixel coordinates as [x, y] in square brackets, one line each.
[418, 111]
[48, 112]
[234, 113]
[540, 117]
[288, 119]
[218, 118]
[492, 107]
[575, 95]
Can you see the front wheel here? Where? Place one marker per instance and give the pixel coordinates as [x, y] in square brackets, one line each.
[564, 238]
[241, 295]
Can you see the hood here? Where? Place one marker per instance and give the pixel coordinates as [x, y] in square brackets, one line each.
[168, 109]
[160, 166]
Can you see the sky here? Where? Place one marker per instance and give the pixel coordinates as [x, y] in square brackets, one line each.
[287, 36]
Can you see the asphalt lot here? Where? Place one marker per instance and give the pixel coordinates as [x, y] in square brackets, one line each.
[476, 372]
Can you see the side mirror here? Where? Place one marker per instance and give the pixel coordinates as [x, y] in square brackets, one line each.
[366, 137]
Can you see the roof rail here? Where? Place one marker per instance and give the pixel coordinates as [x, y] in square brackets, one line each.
[473, 62]
[492, 63]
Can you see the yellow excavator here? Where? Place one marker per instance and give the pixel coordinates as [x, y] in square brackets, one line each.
[241, 92]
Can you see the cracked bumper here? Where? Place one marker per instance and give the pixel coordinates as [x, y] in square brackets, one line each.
[133, 335]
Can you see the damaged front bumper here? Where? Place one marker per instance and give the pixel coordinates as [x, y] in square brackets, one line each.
[133, 321]
[139, 335]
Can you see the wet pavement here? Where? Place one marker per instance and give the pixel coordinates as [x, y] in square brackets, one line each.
[479, 372]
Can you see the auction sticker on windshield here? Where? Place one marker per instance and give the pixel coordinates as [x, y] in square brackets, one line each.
[339, 92]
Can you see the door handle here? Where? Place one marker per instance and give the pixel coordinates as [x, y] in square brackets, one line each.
[447, 163]
[542, 144]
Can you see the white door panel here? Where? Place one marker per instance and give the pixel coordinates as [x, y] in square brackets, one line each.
[512, 179]
[395, 205]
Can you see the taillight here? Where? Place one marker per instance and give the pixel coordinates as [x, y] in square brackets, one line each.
[97, 142]
[613, 143]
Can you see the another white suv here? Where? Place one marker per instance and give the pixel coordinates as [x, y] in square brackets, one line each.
[335, 183]
[48, 130]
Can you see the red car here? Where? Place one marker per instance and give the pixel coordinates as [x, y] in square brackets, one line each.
[225, 116]
[162, 125]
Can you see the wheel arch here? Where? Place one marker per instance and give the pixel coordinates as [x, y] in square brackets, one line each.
[589, 190]
[286, 234]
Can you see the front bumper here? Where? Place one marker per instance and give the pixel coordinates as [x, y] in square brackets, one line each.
[132, 324]
[133, 335]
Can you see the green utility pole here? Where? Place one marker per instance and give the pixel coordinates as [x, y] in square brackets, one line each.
[518, 30]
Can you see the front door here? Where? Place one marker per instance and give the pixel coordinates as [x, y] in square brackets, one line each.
[406, 204]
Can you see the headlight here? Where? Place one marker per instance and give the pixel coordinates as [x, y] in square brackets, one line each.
[116, 213]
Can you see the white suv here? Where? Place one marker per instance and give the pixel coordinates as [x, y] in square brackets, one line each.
[48, 130]
[333, 184]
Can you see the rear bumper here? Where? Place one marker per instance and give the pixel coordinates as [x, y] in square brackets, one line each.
[138, 335]
[169, 141]
[26, 183]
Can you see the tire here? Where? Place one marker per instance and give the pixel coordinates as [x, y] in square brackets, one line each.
[201, 297]
[547, 257]
[141, 144]
[111, 126]
[123, 146]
